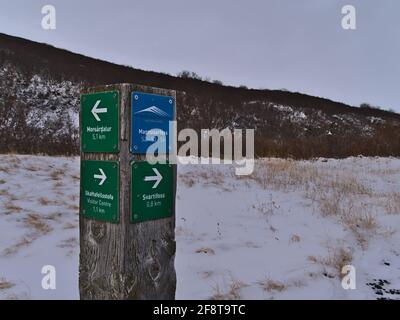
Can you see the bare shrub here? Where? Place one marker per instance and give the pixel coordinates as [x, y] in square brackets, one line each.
[337, 260]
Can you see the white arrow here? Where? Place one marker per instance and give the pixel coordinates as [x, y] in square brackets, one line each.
[101, 176]
[96, 110]
[157, 178]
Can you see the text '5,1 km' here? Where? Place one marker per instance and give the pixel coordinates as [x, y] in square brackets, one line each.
[100, 122]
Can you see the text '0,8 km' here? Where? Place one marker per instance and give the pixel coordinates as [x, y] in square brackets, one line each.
[100, 122]
[100, 190]
[152, 191]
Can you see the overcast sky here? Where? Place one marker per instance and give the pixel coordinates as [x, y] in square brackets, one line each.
[299, 45]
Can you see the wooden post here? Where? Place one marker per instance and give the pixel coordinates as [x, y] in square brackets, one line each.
[126, 260]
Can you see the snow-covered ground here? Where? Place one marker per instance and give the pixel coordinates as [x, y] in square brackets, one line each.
[282, 233]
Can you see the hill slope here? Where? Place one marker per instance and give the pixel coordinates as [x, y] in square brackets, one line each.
[39, 103]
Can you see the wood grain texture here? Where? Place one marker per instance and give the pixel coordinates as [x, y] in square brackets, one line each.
[125, 260]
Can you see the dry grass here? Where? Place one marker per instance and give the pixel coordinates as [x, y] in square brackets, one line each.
[231, 290]
[294, 238]
[330, 203]
[14, 159]
[11, 207]
[363, 225]
[234, 288]
[73, 207]
[384, 171]
[4, 192]
[290, 175]
[392, 203]
[13, 197]
[75, 177]
[270, 285]
[58, 184]
[69, 225]
[24, 242]
[208, 251]
[4, 284]
[212, 176]
[354, 215]
[44, 201]
[217, 293]
[5, 169]
[267, 208]
[47, 202]
[360, 221]
[32, 168]
[312, 259]
[207, 274]
[69, 243]
[335, 261]
[338, 259]
[57, 174]
[36, 222]
[345, 200]
[188, 180]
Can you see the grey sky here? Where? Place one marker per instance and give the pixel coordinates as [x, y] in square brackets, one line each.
[294, 44]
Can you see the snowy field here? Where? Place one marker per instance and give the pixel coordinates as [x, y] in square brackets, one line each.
[283, 233]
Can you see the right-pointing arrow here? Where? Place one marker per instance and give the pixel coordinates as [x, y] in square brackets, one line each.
[100, 176]
[157, 178]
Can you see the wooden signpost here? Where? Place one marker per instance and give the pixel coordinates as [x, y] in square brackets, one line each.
[127, 206]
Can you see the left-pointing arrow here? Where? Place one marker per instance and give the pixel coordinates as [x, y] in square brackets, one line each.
[100, 176]
[96, 110]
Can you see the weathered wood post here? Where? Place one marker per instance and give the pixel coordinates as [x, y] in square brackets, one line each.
[127, 206]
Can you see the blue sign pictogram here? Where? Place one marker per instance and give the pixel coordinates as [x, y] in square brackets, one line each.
[151, 115]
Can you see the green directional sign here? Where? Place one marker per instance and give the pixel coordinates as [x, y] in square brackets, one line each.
[151, 191]
[100, 122]
[100, 190]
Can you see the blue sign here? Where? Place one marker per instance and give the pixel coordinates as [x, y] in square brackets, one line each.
[151, 115]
